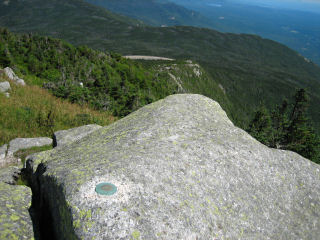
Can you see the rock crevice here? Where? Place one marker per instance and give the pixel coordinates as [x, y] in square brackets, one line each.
[51, 220]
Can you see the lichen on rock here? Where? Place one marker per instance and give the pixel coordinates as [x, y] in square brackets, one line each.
[15, 201]
[182, 171]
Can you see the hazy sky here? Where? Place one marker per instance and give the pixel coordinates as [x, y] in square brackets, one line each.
[306, 5]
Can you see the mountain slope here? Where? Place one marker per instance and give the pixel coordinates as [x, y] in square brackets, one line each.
[296, 29]
[250, 69]
[103, 80]
[154, 12]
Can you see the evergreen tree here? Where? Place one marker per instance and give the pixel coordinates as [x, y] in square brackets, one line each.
[280, 123]
[301, 136]
[260, 126]
[288, 129]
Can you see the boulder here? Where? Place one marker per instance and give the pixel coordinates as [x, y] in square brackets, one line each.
[176, 169]
[25, 143]
[4, 86]
[12, 76]
[15, 201]
[64, 137]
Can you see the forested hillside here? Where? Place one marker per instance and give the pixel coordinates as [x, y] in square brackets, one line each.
[82, 75]
[250, 69]
[105, 81]
[154, 12]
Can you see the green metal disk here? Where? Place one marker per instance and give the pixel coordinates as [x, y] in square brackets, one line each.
[106, 189]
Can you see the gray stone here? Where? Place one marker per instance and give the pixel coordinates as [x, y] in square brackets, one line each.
[7, 94]
[4, 87]
[8, 174]
[6, 160]
[3, 151]
[183, 171]
[25, 143]
[20, 82]
[9, 160]
[12, 76]
[15, 201]
[64, 137]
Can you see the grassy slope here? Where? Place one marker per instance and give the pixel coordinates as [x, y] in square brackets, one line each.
[251, 69]
[25, 113]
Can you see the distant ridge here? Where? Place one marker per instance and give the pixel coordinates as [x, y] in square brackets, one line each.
[154, 12]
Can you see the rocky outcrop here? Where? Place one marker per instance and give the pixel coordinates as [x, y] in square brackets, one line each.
[12, 76]
[15, 201]
[180, 170]
[64, 137]
[25, 143]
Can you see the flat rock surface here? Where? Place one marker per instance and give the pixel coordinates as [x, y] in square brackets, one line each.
[25, 143]
[74, 134]
[15, 221]
[182, 171]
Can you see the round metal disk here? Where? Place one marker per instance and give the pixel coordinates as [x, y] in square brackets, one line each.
[106, 189]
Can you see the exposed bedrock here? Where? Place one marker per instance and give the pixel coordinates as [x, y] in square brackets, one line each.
[182, 171]
[15, 201]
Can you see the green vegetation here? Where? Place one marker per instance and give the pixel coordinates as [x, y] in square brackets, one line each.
[288, 127]
[154, 12]
[23, 153]
[250, 69]
[82, 75]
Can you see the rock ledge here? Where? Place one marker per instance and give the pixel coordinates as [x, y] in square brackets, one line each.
[183, 171]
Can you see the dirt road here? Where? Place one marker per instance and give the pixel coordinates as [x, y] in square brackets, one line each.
[139, 57]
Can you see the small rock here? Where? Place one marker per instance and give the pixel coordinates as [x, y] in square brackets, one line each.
[5, 86]
[24, 143]
[20, 82]
[7, 94]
[3, 150]
[64, 137]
